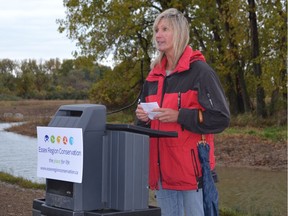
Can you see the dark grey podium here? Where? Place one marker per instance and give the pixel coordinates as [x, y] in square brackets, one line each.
[115, 168]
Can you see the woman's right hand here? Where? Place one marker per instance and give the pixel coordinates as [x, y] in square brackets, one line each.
[141, 114]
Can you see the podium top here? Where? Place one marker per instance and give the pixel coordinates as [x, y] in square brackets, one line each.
[141, 130]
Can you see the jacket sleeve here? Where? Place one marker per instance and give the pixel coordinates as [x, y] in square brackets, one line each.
[216, 114]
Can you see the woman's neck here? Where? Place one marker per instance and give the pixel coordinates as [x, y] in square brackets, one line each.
[169, 64]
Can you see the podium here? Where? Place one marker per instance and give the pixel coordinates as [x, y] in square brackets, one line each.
[115, 168]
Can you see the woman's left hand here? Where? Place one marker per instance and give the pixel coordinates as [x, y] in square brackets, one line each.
[166, 115]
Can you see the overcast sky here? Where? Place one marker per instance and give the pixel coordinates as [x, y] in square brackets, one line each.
[28, 29]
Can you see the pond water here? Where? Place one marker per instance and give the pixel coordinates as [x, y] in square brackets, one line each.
[256, 192]
[18, 154]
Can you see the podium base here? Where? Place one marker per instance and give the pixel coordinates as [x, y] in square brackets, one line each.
[41, 209]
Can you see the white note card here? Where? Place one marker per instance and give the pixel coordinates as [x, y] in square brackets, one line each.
[148, 107]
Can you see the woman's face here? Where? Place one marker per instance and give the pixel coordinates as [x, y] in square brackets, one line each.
[164, 37]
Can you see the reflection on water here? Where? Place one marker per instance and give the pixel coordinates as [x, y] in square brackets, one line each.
[18, 154]
[257, 192]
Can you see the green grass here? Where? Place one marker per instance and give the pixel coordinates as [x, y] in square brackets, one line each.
[274, 133]
[24, 183]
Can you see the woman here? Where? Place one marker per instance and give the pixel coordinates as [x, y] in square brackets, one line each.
[182, 83]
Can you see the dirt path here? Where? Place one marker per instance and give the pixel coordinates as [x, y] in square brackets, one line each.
[17, 201]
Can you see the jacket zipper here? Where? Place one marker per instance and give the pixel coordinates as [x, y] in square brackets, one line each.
[163, 91]
[161, 102]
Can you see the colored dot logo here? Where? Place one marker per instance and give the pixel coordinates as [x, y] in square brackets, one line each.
[52, 139]
[58, 139]
[71, 140]
[46, 138]
[65, 140]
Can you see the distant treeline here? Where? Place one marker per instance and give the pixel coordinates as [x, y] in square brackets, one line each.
[79, 78]
[51, 79]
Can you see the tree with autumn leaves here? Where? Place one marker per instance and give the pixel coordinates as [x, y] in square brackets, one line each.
[245, 41]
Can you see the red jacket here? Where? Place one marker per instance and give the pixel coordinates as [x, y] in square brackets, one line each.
[193, 85]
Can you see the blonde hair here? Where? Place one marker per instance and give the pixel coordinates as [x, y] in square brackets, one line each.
[180, 27]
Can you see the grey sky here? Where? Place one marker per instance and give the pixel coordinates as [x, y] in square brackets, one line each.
[28, 29]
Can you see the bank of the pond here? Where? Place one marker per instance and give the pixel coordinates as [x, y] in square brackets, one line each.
[250, 151]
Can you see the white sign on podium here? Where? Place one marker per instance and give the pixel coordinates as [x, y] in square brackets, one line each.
[60, 153]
